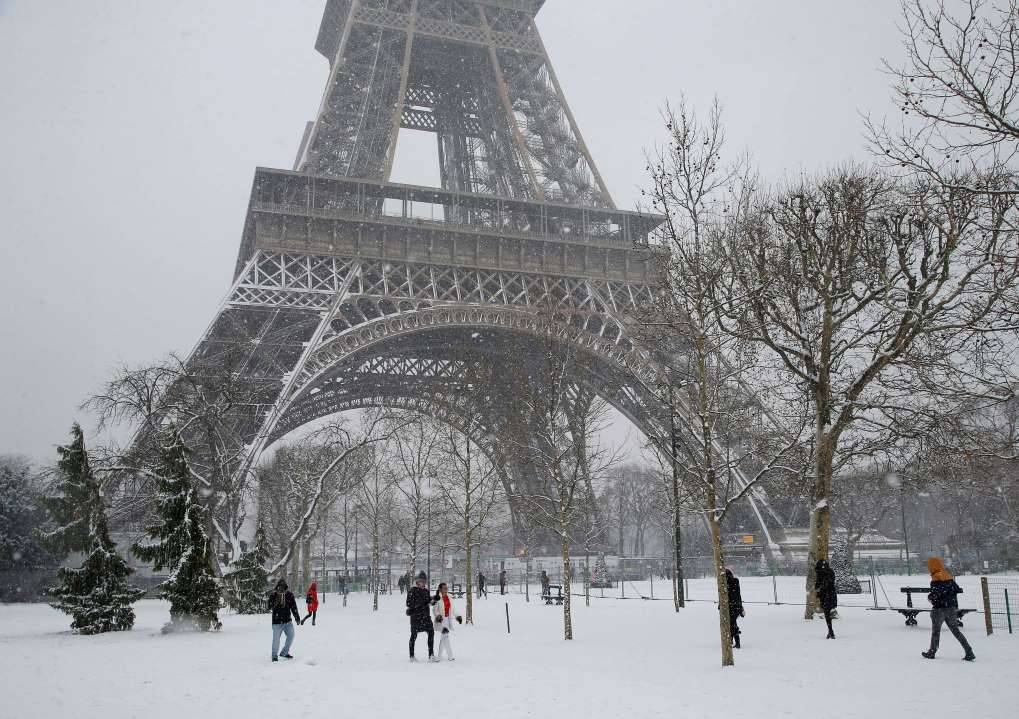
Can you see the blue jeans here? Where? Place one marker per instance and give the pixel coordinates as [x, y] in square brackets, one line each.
[278, 629]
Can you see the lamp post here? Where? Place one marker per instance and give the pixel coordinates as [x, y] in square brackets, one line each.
[905, 534]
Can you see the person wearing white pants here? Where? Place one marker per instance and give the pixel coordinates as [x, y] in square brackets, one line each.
[445, 613]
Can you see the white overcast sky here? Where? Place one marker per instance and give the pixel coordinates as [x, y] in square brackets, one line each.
[130, 130]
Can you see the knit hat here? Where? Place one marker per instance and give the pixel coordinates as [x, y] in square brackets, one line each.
[422, 577]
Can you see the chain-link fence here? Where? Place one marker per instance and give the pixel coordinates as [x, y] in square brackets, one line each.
[1001, 603]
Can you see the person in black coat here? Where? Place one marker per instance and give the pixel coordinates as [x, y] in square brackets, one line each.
[827, 595]
[482, 588]
[735, 605]
[283, 605]
[419, 605]
[944, 599]
[502, 582]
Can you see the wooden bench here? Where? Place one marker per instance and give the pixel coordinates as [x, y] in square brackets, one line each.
[457, 590]
[911, 613]
[558, 598]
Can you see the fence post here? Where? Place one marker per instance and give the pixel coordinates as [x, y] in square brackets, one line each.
[507, 618]
[1008, 612]
[774, 587]
[988, 620]
[873, 581]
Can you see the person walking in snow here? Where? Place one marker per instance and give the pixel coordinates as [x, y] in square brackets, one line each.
[445, 613]
[735, 605]
[545, 591]
[311, 600]
[481, 586]
[502, 581]
[419, 602]
[283, 605]
[944, 608]
[827, 595]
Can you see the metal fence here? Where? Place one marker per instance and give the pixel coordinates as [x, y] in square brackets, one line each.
[1001, 603]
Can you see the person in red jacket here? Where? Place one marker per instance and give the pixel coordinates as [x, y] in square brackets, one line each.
[312, 601]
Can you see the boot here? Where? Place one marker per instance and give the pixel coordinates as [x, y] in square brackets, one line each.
[831, 634]
[970, 656]
[927, 655]
[735, 641]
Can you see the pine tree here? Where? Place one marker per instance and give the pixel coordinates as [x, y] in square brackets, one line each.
[96, 594]
[248, 583]
[66, 507]
[846, 581]
[182, 545]
[601, 573]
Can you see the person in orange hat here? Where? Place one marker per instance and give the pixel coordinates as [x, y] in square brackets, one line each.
[944, 608]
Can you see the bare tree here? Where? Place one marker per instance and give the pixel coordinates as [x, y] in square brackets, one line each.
[414, 454]
[469, 486]
[852, 282]
[565, 422]
[958, 92]
[375, 498]
[210, 406]
[341, 459]
[861, 501]
[729, 444]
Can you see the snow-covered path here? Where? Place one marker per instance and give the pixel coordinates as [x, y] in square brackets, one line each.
[629, 658]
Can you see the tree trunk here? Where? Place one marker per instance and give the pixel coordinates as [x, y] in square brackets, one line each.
[468, 580]
[725, 631]
[587, 578]
[567, 606]
[306, 563]
[375, 566]
[820, 515]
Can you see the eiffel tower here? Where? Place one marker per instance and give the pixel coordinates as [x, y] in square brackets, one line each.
[352, 291]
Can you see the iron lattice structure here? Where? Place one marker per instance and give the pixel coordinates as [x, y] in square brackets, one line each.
[351, 291]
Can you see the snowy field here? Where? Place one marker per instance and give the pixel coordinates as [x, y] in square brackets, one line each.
[629, 659]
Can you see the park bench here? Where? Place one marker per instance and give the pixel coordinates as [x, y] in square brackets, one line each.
[911, 613]
[457, 590]
[557, 598]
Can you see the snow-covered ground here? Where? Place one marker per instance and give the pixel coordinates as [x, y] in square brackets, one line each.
[629, 658]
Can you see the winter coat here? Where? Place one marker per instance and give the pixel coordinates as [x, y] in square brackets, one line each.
[441, 620]
[312, 597]
[502, 578]
[824, 585]
[419, 601]
[944, 591]
[283, 605]
[735, 597]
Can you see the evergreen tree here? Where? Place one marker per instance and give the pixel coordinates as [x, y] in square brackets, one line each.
[248, 583]
[846, 581]
[96, 594]
[66, 507]
[601, 573]
[181, 544]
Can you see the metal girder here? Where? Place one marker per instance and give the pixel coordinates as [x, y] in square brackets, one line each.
[351, 291]
[503, 124]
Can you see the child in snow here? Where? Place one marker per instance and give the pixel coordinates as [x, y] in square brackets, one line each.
[944, 608]
[827, 595]
[282, 605]
[445, 612]
[311, 599]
